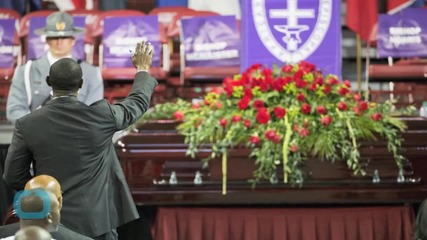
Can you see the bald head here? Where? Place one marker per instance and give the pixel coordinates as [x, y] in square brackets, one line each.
[48, 183]
[65, 75]
[38, 207]
[32, 233]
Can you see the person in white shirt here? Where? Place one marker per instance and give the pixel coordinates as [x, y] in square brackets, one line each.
[29, 90]
[33, 233]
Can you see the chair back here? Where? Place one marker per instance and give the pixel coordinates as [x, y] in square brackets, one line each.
[173, 27]
[11, 216]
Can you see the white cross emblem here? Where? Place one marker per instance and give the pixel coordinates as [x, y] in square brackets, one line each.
[292, 30]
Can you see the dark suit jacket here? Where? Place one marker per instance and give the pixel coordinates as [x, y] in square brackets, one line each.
[63, 233]
[72, 142]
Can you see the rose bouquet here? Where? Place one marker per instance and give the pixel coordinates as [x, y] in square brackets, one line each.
[284, 115]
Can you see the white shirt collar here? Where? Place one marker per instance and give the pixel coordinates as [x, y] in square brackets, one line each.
[52, 59]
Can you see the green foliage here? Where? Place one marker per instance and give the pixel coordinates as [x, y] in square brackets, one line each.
[285, 115]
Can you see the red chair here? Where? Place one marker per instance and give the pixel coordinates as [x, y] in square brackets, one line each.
[405, 78]
[173, 28]
[90, 15]
[209, 75]
[115, 90]
[10, 216]
[6, 72]
[166, 15]
[96, 30]
[172, 33]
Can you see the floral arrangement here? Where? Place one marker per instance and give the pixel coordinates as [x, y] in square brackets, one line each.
[284, 115]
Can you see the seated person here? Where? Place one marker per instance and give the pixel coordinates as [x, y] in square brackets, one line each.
[420, 231]
[52, 185]
[32, 233]
[48, 183]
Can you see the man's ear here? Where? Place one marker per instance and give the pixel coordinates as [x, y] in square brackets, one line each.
[48, 82]
[49, 218]
[81, 83]
[60, 202]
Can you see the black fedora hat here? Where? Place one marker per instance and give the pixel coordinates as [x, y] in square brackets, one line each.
[59, 24]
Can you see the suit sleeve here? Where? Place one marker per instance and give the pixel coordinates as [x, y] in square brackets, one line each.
[136, 103]
[96, 86]
[17, 101]
[18, 160]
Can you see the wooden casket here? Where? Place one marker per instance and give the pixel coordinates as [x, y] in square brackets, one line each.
[155, 151]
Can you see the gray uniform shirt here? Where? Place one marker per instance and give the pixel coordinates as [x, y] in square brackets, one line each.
[17, 102]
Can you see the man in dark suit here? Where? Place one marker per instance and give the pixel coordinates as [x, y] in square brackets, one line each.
[50, 184]
[71, 141]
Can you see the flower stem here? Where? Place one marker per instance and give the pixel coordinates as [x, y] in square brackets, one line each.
[285, 150]
[224, 172]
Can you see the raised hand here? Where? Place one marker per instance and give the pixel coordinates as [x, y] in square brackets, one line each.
[143, 56]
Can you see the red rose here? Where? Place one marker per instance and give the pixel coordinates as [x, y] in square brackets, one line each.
[255, 66]
[247, 123]
[294, 148]
[357, 97]
[319, 81]
[196, 105]
[263, 116]
[263, 86]
[278, 84]
[347, 83]
[298, 75]
[243, 103]
[218, 105]
[312, 87]
[279, 112]
[327, 89]
[277, 138]
[254, 139]
[304, 132]
[301, 97]
[342, 106]
[308, 67]
[287, 68]
[343, 91]
[357, 111]
[236, 118]
[223, 122]
[363, 105]
[332, 81]
[326, 120]
[247, 93]
[267, 72]
[300, 83]
[270, 134]
[305, 108]
[179, 115]
[376, 116]
[258, 104]
[322, 110]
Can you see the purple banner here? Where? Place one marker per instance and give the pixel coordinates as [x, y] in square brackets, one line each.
[403, 34]
[210, 41]
[288, 31]
[37, 44]
[121, 35]
[7, 32]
